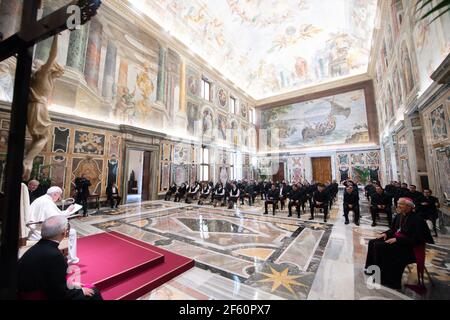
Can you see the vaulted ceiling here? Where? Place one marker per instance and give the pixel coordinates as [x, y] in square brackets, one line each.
[271, 47]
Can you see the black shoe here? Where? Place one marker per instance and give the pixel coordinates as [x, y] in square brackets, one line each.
[265, 213]
[374, 224]
[357, 223]
[347, 222]
[289, 215]
[325, 220]
[312, 218]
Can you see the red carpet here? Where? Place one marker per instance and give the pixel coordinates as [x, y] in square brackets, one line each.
[123, 268]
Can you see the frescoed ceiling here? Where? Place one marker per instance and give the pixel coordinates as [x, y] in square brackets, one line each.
[271, 47]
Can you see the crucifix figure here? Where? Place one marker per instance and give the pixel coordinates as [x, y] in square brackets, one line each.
[38, 120]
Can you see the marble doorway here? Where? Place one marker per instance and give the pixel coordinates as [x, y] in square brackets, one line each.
[147, 166]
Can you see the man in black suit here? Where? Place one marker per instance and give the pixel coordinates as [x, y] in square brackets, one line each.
[321, 200]
[172, 190]
[82, 185]
[414, 194]
[369, 190]
[42, 270]
[380, 202]
[351, 203]
[294, 200]
[272, 198]
[113, 195]
[283, 194]
[428, 208]
[180, 193]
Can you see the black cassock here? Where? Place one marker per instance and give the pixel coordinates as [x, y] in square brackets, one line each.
[393, 258]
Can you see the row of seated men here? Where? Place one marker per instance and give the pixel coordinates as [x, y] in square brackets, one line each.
[296, 194]
[382, 201]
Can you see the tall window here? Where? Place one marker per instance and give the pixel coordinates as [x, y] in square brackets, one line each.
[232, 105]
[204, 166]
[206, 89]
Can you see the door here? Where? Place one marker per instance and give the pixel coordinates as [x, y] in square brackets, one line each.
[146, 176]
[279, 176]
[321, 169]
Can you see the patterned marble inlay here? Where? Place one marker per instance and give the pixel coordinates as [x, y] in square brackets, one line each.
[269, 254]
[280, 257]
[301, 249]
[213, 226]
[259, 253]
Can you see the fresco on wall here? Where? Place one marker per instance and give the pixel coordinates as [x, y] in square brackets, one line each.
[432, 45]
[234, 133]
[193, 117]
[222, 127]
[438, 124]
[207, 125]
[245, 136]
[408, 71]
[243, 109]
[331, 120]
[193, 83]
[6, 81]
[222, 97]
[58, 171]
[443, 166]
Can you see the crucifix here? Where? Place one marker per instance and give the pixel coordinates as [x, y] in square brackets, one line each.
[22, 45]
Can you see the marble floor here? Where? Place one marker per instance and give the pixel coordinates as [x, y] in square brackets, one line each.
[243, 254]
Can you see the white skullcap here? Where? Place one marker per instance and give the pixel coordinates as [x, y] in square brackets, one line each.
[53, 190]
[407, 201]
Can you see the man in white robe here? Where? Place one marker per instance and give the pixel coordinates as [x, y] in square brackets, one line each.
[45, 207]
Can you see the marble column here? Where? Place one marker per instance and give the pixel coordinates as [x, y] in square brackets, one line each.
[93, 53]
[161, 85]
[76, 55]
[182, 86]
[43, 47]
[10, 17]
[110, 70]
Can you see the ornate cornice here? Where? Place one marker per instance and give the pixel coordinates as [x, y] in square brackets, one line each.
[442, 73]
